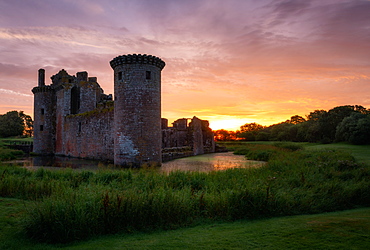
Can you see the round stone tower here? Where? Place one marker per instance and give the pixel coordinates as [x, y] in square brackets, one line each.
[44, 122]
[137, 109]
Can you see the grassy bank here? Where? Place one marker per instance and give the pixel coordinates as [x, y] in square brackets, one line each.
[69, 205]
[10, 154]
[361, 153]
[337, 230]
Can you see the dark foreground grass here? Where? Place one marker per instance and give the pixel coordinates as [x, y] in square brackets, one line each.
[337, 230]
[71, 205]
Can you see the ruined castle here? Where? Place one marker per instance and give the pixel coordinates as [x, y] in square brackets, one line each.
[73, 117]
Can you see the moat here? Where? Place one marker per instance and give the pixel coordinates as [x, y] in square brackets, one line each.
[203, 163]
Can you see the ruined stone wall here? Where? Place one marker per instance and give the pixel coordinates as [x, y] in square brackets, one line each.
[90, 135]
[172, 137]
[197, 136]
[209, 143]
[44, 120]
[63, 100]
[90, 93]
[184, 139]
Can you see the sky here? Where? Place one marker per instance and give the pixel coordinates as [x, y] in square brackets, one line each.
[230, 62]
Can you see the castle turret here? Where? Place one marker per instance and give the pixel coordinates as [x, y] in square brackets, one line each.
[44, 117]
[137, 109]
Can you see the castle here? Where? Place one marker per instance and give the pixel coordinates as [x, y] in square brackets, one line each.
[73, 117]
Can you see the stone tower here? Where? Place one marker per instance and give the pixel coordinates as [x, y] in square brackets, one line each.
[44, 117]
[137, 109]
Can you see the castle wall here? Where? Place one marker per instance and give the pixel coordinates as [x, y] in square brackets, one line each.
[44, 120]
[209, 144]
[90, 135]
[89, 95]
[63, 100]
[137, 107]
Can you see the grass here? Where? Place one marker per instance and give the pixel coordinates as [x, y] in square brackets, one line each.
[10, 154]
[67, 206]
[15, 139]
[360, 152]
[337, 230]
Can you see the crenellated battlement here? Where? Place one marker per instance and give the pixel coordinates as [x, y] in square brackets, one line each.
[45, 88]
[137, 59]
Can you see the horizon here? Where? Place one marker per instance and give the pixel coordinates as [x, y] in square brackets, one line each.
[230, 63]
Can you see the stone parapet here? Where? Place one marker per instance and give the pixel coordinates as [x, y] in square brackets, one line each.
[42, 89]
[137, 59]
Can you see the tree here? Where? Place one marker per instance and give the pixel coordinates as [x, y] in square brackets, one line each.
[11, 124]
[224, 135]
[323, 124]
[249, 127]
[316, 115]
[281, 131]
[28, 123]
[332, 119]
[296, 119]
[354, 129]
[249, 131]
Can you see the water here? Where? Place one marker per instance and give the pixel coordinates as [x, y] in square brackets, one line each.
[58, 162]
[203, 163]
[210, 162]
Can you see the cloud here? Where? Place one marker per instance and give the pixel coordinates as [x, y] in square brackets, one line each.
[11, 92]
[259, 59]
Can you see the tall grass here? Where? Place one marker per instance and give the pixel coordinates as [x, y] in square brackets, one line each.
[9, 154]
[71, 205]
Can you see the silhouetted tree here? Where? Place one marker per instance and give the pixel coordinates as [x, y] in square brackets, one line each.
[224, 135]
[354, 129]
[11, 124]
[28, 123]
[249, 131]
[296, 119]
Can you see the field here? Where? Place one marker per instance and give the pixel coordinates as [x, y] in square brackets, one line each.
[226, 209]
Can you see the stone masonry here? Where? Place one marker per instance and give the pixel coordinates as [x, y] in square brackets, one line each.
[73, 117]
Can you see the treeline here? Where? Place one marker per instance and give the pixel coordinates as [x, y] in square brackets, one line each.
[349, 123]
[15, 123]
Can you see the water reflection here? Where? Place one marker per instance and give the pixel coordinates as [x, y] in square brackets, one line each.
[203, 163]
[57, 162]
[210, 162]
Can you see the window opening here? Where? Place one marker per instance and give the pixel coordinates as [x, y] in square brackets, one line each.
[79, 127]
[148, 75]
[120, 75]
[42, 111]
[75, 100]
[41, 127]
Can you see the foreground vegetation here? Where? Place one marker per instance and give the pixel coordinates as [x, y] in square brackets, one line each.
[70, 205]
[339, 230]
[10, 154]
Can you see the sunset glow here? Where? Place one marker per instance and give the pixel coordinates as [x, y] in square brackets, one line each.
[230, 62]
